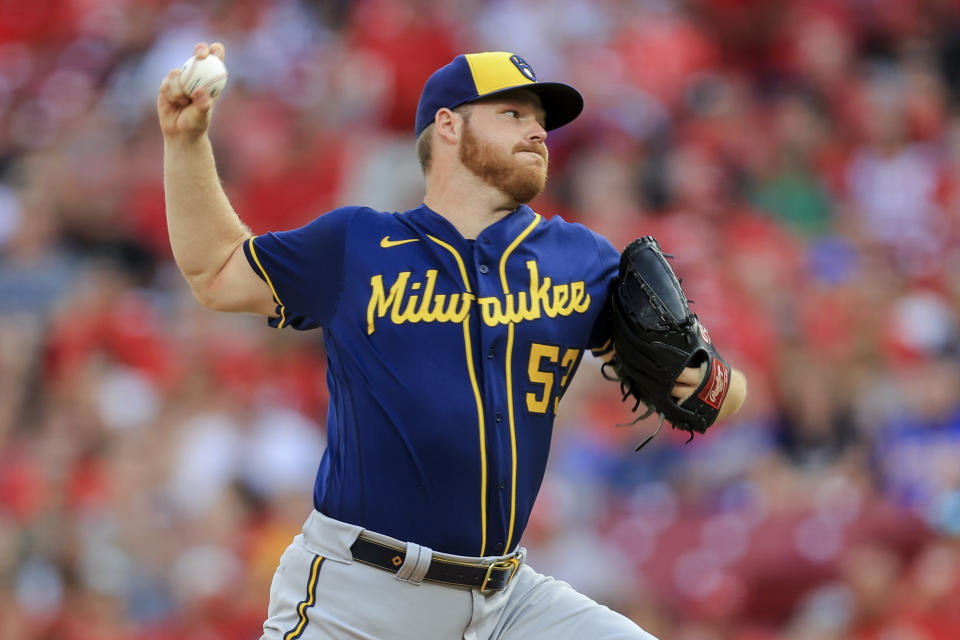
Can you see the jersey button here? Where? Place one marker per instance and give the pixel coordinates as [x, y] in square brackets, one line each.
[484, 268]
[499, 416]
[491, 353]
[498, 547]
[503, 485]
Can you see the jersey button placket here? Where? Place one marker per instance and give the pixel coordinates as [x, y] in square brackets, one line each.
[498, 437]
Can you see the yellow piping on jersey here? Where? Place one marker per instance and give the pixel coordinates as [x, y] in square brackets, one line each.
[603, 348]
[513, 430]
[253, 252]
[513, 245]
[476, 395]
[463, 269]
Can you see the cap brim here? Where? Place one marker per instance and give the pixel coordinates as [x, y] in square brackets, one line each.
[561, 102]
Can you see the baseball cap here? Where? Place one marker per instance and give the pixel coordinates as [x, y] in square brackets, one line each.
[472, 76]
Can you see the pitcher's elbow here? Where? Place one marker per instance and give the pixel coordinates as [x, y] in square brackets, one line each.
[206, 296]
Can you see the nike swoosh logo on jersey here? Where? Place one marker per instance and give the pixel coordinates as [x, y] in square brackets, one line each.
[386, 242]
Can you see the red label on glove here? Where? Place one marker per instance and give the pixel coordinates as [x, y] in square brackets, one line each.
[715, 390]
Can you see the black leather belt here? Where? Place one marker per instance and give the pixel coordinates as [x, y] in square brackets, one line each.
[485, 577]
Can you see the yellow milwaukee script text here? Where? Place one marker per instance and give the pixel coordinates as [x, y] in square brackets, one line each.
[416, 301]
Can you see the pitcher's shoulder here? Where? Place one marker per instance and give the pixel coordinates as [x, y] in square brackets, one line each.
[559, 229]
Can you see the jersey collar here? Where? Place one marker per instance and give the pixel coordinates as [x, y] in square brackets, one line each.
[500, 234]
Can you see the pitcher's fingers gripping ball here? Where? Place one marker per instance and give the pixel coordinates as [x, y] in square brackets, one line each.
[188, 114]
[656, 338]
[203, 73]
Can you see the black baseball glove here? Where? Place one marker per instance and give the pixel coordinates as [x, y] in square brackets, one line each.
[655, 336]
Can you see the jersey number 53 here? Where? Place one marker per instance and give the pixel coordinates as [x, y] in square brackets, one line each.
[543, 369]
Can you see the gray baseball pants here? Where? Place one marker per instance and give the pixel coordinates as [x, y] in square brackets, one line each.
[320, 592]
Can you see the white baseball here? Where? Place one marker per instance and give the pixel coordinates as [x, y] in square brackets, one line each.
[207, 73]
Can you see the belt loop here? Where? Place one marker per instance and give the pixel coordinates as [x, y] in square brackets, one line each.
[415, 564]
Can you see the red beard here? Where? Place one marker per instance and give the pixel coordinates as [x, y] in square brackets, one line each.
[522, 182]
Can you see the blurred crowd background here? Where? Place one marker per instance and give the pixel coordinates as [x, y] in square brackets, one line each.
[801, 158]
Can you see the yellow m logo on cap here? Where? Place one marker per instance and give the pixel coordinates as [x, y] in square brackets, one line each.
[496, 70]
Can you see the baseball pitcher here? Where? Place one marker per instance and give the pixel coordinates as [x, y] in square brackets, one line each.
[452, 331]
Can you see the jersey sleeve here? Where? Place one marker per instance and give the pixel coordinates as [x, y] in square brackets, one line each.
[601, 341]
[304, 268]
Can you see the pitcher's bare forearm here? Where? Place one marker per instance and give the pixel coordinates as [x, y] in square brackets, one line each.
[736, 394]
[206, 234]
[204, 229]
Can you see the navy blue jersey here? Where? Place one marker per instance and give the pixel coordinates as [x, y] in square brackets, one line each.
[447, 358]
